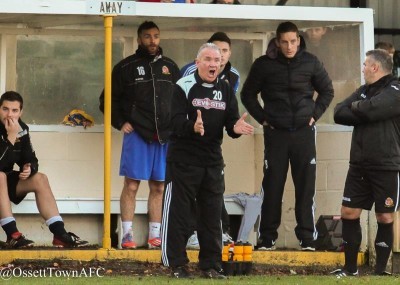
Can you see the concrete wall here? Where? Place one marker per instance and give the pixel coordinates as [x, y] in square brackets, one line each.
[73, 162]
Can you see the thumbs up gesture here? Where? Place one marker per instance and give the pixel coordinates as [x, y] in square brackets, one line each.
[243, 128]
[198, 125]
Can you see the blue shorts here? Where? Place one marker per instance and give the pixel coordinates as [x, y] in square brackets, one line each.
[141, 160]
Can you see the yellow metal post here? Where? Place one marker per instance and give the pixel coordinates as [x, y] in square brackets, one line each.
[108, 23]
[396, 228]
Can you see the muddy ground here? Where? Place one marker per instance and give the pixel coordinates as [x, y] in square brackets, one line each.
[134, 268]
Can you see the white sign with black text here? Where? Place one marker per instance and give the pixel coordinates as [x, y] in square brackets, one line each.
[110, 7]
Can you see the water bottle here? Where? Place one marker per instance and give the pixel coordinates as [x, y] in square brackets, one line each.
[238, 252]
[225, 251]
[247, 263]
[247, 251]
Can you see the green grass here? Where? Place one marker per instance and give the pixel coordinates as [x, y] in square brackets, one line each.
[243, 280]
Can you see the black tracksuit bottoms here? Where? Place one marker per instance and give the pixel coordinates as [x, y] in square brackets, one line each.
[189, 188]
[281, 147]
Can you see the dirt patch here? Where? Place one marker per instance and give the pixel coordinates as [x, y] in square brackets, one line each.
[134, 268]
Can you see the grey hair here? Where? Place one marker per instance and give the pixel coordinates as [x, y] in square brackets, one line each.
[207, 45]
[383, 58]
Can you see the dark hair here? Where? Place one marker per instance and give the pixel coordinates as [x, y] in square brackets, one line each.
[221, 37]
[286, 27]
[146, 25]
[385, 45]
[12, 96]
[383, 57]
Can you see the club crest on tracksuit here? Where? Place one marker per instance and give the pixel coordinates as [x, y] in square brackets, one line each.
[389, 202]
[165, 70]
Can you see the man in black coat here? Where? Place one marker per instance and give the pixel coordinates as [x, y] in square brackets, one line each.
[373, 176]
[287, 77]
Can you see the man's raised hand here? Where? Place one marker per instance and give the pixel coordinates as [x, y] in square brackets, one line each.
[243, 128]
[198, 125]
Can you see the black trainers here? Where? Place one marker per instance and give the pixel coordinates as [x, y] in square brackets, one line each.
[18, 240]
[307, 245]
[267, 245]
[181, 272]
[383, 273]
[68, 240]
[214, 273]
[342, 273]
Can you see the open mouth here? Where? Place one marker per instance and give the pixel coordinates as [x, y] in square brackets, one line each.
[212, 72]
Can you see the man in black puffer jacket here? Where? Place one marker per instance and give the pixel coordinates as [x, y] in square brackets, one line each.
[373, 176]
[287, 77]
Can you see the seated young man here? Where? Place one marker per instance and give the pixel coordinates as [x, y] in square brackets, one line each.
[16, 148]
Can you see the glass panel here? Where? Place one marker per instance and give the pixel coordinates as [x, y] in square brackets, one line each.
[338, 48]
[56, 74]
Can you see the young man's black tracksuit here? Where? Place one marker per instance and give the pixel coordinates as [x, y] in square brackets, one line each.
[20, 153]
[287, 87]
